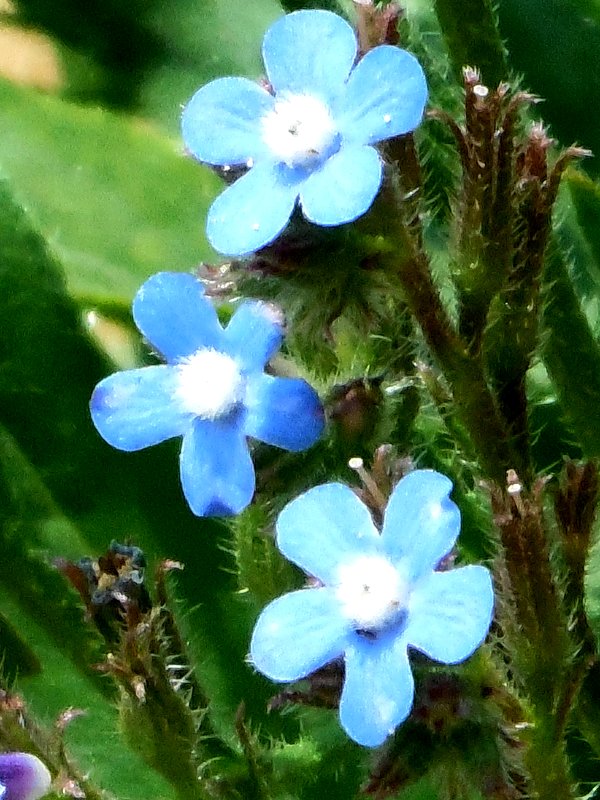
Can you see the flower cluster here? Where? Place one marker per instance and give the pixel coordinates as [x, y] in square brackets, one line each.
[310, 138]
[378, 595]
[22, 777]
[212, 391]
[374, 595]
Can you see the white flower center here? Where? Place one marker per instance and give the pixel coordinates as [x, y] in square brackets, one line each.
[372, 592]
[209, 383]
[299, 130]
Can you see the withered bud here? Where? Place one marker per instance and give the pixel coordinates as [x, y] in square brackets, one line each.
[377, 25]
[111, 587]
[67, 716]
[353, 407]
[324, 689]
[534, 162]
[576, 501]
[471, 77]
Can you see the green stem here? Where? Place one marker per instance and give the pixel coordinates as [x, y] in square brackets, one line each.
[472, 396]
[547, 764]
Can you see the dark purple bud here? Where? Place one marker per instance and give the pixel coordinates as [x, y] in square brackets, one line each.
[23, 777]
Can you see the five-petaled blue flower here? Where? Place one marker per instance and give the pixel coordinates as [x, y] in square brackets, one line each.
[212, 391]
[378, 595]
[23, 777]
[311, 139]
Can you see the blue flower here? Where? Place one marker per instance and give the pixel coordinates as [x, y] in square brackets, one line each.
[378, 595]
[212, 391]
[311, 139]
[22, 777]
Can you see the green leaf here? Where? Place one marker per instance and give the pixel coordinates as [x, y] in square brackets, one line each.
[92, 739]
[570, 353]
[585, 197]
[471, 35]
[202, 41]
[149, 55]
[592, 584]
[554, 44]
[42, 402]
[47, 372]
[114, 200]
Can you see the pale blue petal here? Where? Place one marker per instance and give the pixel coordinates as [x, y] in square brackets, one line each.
[254, 334]
[421, 523]
[298, 633]
[135, 409]
[450, 613]
[344, 187]
[309, 51]
[170, 309]
[217, 473]
[253, 211]
[378, 690]
[285, 412]
[385, 96]
[325, 527]
[221, 123]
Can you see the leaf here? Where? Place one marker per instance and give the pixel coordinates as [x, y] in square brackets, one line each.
[585, 197]
[570, 353]
[471, 35]
[592, 584]
[93, 738]
[114, 200]
[555, 44]
[31, 530]
[54, 459]
[149, 55]
[202, 41]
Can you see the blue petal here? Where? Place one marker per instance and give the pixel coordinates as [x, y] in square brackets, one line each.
[253, 211]
[309, 51]
[325, 527]
[385, 96]
[344, 187]
[254, 334]
[285, 412]
[378, 690]
[170, 309]
[221, 123]
[298, 633]
[450, 613]
[421, 523]
[23, 777]
[217, 473]
[135, 409]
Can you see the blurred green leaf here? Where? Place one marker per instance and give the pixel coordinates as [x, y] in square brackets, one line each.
[570, 353]
[42, 402]
[147, 55]
[54, 459]
[202, 41]
[114, 200]
[472, 38]
[585, 197]
[92, 739]
[112, 37]
[555, 45]
[592, 584]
